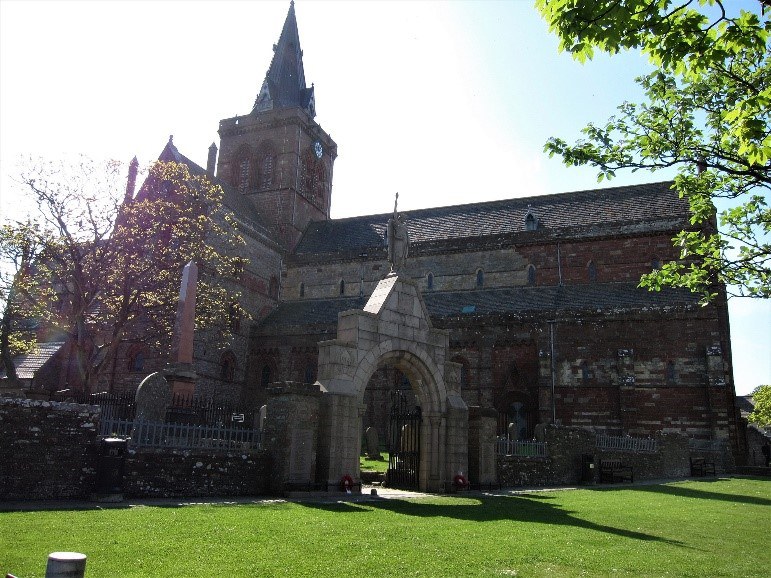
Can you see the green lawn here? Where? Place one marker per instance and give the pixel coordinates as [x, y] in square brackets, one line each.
[694, 528]
[368, 465]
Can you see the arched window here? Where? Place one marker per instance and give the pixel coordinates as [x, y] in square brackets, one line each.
[228, 366]
[273, 288]
[531, 223]
[312, 178]
[265, 375]
[242, 169]
[531, 275]
[480, 278]
[430, 281]
[342, 286]
[655, 264]
[136, 359]
[302, 289]
[591, 271]
[267, 161]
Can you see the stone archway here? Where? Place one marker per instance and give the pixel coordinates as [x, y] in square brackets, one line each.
[393, 329]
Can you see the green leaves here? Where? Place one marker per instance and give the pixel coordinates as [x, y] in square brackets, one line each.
[761, 415]
[706, 114]
[110, 266]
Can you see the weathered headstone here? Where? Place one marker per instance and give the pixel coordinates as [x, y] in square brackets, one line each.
[263, 416]
[372, 443]
[152, 398]
[513, 431]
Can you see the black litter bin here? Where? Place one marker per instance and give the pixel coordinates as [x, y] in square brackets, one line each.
[587, 469]
[109, 472]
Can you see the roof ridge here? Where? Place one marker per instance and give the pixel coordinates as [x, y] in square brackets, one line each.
[612, 190]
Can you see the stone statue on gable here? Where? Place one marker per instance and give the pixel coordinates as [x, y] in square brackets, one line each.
[398, 240]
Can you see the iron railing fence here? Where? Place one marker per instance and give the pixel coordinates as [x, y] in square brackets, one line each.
[626, 443]
[506, 447]
[113, 405]
[190, 410]
[144, 434]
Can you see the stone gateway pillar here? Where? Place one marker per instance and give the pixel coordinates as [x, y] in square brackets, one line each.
[393, 329]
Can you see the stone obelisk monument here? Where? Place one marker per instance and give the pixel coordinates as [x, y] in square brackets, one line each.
[180, 373]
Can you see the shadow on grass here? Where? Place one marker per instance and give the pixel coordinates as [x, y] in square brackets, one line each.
[703, 494]
[489, 509]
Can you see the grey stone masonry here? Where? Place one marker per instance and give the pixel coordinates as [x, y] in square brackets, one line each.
[290, 434]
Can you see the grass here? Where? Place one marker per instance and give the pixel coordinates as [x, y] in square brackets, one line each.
[368, 465]
[693, 528]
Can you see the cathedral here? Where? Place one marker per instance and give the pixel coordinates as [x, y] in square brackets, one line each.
[538, 295]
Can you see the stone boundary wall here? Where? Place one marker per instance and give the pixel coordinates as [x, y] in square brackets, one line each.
[567, 445]
[182, 474]
[50, 451]
[47, 449]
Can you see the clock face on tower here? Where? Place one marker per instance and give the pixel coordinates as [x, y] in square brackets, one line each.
[318, 149]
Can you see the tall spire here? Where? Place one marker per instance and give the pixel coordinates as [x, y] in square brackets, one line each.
[284, 84]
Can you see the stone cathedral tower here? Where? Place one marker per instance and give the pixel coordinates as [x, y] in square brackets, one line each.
[278, 155]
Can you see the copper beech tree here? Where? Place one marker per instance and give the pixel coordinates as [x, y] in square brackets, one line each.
[706, 114]
[113, 261]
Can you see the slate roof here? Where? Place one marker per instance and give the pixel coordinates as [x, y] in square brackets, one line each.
[606, 209]
[28, 363]
[516, 301]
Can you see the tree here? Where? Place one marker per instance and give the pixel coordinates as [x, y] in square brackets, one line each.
[21, 296]
[761, 397]
[114, 262]
[707, 115]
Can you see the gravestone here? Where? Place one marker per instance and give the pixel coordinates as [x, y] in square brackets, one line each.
[513, 431]
[372, 443]
[263, 414]
[180, 371]
[152, 398]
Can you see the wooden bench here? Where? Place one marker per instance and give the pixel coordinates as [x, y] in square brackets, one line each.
[700, 467]
[614, 471]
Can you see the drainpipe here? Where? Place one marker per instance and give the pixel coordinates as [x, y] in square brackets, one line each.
[553, 372]
[559, 263]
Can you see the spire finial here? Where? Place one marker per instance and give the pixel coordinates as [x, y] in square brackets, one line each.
[396, 202]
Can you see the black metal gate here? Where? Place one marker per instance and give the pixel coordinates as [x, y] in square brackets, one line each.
[404, 443]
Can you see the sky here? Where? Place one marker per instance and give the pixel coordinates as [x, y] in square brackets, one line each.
[444, 102]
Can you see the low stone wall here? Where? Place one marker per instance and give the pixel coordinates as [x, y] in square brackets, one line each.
[50, 451]
[182, 474]
[568, 445]
[47, 449]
